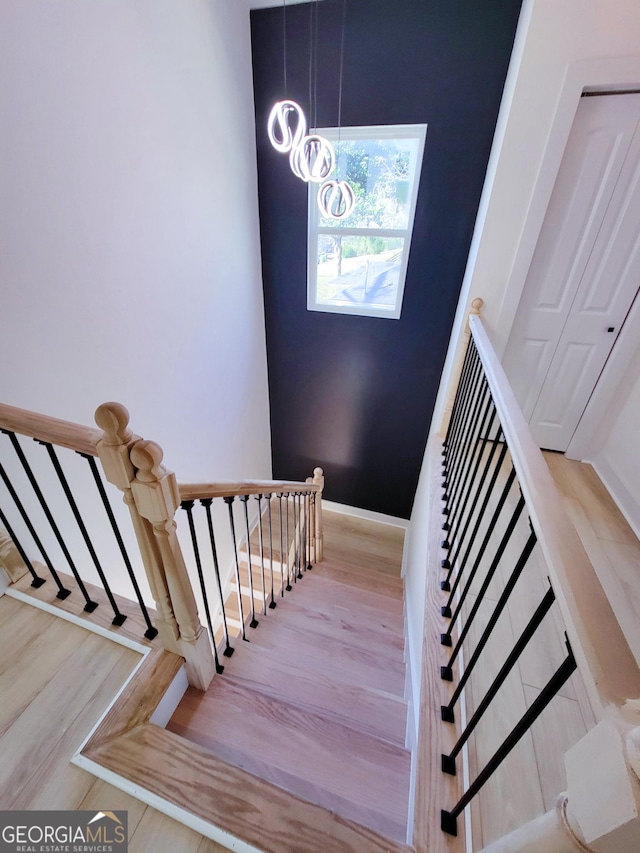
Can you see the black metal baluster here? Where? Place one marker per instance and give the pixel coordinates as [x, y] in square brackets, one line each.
[448, 819]
[456, 402]
[90, 605]
[461, 496]
[229, 503]
[459, 451]
[206, 503]
[62, 591]
[287, 557]
[446, 609]
[188, 507]
[476, 486]
[298, 534]
[446, 672]
[449, 563]
[307, 505]
[447, 711]
[261, 546]
[466, 397]
[460, 403]
[253, 622]
[272, 603]
[282, 584]
[37, 581]
[119, 617]
[151, 632]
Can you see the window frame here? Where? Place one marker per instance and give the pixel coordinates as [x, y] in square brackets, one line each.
[314, 230]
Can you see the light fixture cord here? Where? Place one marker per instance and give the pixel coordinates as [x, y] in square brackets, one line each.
[284, 44]
[344, 17]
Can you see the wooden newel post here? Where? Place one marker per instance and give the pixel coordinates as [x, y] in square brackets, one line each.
[476, 307]
[151, 493]
[600, 812]
[318, 479]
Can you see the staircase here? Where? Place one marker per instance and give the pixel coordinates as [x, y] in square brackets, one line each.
[313, 701]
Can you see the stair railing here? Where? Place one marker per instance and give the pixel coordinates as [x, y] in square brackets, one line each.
[271, 537]
[42, 514]
[42, 501]
[499, 506]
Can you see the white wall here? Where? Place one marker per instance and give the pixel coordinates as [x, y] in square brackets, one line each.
[129, 243]
[618, 463]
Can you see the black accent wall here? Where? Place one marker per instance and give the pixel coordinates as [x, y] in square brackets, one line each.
[352, 394]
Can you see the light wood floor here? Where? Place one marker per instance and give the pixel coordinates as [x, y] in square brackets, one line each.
[529, 780]
[313, 703]
[55, 680]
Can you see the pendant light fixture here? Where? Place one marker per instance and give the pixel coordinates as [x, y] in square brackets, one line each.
[311, 156]
[282, 135]
[336, 198]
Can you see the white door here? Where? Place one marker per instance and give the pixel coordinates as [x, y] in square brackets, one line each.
[585, 271]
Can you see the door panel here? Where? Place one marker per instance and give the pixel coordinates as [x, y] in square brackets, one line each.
[581, 279]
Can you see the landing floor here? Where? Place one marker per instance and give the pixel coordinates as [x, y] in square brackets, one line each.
[55, 680]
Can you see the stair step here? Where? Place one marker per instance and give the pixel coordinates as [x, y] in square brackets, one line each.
[371, 710]
[330, 657]
[352, 629]
[364, 778]
[359, 578]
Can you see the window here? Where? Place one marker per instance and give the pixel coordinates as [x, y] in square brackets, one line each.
[358, 265]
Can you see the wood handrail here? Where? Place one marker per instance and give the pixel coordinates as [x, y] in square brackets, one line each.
[52, 430]
[611, 673]
[198, 491]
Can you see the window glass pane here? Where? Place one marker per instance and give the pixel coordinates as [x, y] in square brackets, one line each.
[381, 172]
[358, 270]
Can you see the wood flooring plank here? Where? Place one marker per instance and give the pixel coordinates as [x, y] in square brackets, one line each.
[157, 833]
[48, 650]
[76, 696]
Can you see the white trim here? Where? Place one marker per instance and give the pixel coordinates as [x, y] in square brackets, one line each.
[5, 581]
[347, 134]
[368, 514]
[611, 390]
[229, 842]
[77, 620]
[625, 501]
[171, 699]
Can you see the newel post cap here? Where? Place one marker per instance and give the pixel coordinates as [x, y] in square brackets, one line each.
[113, 420]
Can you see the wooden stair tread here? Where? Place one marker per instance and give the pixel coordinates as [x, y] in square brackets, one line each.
[336, 602]
[337, 621]
[228, 797]
[331, 657]
[372, 711]
[330, 764]
[361, 578]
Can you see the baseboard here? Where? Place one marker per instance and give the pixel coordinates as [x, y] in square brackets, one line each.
[367, 514]
[625, 501]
